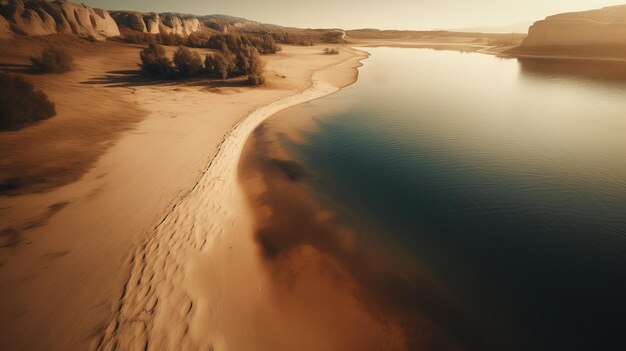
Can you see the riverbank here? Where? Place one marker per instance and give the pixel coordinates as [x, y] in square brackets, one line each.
[329, 269]
[114, 255]
[507, 50]
[388, 168]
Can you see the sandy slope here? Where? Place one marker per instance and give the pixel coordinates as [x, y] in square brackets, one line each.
[152, 245]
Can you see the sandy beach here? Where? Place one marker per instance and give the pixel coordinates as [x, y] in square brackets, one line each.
[146, 242]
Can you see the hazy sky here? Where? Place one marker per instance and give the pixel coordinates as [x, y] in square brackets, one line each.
[348, 14]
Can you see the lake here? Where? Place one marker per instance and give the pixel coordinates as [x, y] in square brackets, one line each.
[502, 182]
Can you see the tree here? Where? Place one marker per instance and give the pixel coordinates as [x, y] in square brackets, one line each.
[217, 65]
[249, 64]
[264, 43]
[188, 63]
[169, 39]
[197, 40]
[154, 61]
[53, 60]
[21, 104]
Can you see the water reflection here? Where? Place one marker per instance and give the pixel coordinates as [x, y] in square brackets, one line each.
[610, 71]
[504, 178]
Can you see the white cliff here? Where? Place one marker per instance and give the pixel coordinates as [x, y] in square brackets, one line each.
[40, 17]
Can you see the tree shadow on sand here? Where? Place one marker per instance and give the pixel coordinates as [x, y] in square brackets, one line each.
[19, 69]
[135, 78]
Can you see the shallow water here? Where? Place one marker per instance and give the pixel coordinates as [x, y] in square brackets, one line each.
[505, 180]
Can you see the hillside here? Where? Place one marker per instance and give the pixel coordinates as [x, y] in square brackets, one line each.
[519, 27]
[39, 17]
[42, 17]
[602, 27]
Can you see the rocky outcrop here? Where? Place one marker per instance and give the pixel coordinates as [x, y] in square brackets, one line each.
[181, 25]
[43, 17]
[40, 17]
[131, 20]
[604, 27]
[152, 22]
[158, 23]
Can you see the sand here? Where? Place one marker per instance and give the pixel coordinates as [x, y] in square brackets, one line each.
[323, 270]
[148, 242]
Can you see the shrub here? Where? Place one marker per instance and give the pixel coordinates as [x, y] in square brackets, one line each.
[264, 43]
[219, 64]
[170, 39]
[249, 64]
[328, 51]
[295, 38]
[231, 41]
[188, 63]
[256, 79]
[53, 60]
[131, 36]
[21, 104]
[197, 40]
[154, 62]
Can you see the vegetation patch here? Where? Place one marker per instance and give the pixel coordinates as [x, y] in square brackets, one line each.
[235, 57]
[53, 59]
[21, 104]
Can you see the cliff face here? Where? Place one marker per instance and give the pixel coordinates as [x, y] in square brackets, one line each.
[40, 17]
[44, 17]
[155, 23]
[179, 25]
[606, 26]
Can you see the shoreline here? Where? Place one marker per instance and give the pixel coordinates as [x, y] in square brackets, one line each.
[499, 51]
[71, 278]
[111, 257]
[226, 209]
[319, 164]
[306, 244]
[204, 194]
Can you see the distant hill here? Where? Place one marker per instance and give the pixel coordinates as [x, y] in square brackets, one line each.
[606, 26]
[597, 33]
[432, 35]
[520, 27]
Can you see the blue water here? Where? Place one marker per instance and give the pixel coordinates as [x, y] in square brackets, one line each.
[505, 179]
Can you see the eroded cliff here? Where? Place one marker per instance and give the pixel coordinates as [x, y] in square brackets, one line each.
[605, 27]
[40, 17]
